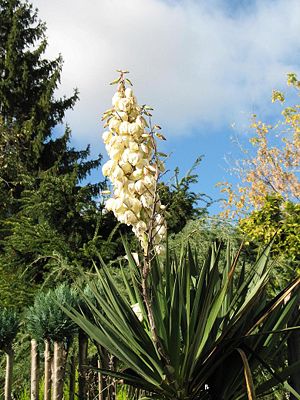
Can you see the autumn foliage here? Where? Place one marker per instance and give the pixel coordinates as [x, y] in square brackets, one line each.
[265, 199]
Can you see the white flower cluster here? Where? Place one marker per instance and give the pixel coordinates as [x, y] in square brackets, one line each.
[133, 171]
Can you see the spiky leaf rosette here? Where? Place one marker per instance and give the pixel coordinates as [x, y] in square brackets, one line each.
[221, 334]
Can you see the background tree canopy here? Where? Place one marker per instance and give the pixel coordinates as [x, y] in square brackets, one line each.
[52, 222]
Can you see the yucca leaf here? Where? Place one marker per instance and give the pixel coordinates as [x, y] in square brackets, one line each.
[279, 319]
[245, 288]
[130, 290]
[248, 376]
[213, 313]
[175, 324]
[275, 303]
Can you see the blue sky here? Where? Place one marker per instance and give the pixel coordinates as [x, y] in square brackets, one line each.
[204, 66]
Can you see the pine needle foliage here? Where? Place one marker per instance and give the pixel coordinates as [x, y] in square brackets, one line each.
[9, 326]
[46, 320]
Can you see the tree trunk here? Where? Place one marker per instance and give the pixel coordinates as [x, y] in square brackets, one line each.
[59, 370]
[72, 378]
[9, 374]
[34, 390]
[294, 352]
[47, 355]
[82, 360]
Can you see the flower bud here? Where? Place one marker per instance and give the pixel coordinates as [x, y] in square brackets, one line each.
[126, 167]
[114, 124]
[146, 200]
[110, 204]
[135, 206]
[107, 167]
[139, 186]
[134, 129]
[117, 172]
[131, 187]
[106, 136]
[160, 249]
[128, 92]
[123, 116]
[140, 228]
[140, 122]
[116, 153]
[116, 97]
[133, 146]
[149, 180]
[137, 174]
[123, 105]
[159, 219]
[129, 218]
[134, 157]
[119, 206]
[124, 128]
[137, 310]
[145, 148]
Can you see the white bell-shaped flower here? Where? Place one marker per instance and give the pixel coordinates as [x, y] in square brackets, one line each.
[132, 171]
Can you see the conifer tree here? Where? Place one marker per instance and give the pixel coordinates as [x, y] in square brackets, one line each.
[28, 107]
[44, 207]
[28, 80]
[181, 202]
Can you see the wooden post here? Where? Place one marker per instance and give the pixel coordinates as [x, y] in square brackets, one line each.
[34, 387]
[59, 370]
[9, 374]
[47, 367]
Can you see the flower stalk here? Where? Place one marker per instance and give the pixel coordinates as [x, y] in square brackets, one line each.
[134, 169]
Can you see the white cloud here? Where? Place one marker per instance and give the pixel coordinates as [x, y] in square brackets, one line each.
[197, 64]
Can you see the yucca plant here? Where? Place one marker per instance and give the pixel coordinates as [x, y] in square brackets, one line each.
[216, 329]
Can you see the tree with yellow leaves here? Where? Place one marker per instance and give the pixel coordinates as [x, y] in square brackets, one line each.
[266, 199]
